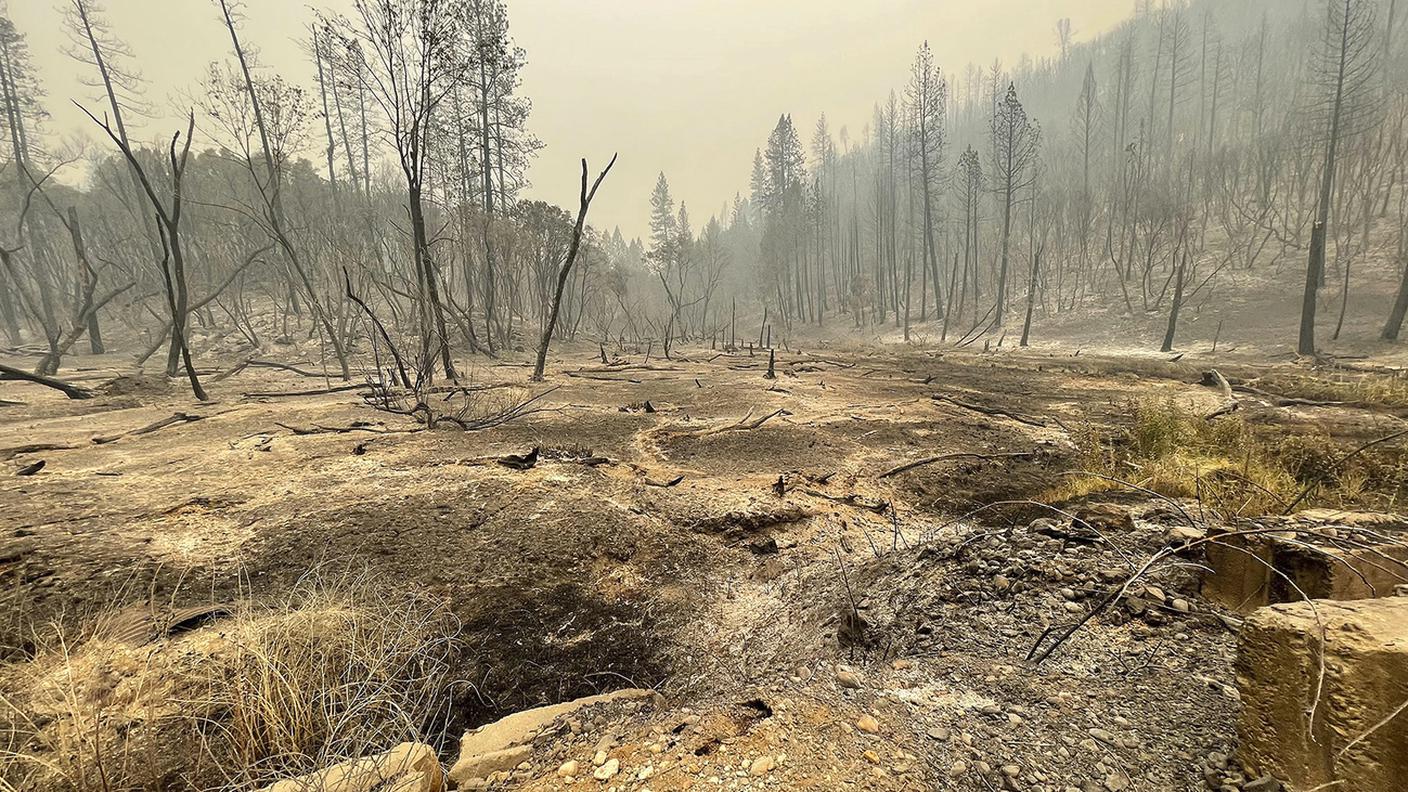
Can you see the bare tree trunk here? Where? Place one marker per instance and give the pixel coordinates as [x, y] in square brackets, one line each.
[566, 270]
[1177, 304]
[1031, 299]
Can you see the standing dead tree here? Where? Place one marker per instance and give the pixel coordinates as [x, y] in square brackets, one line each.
[566, 270]
[173, 257]
[408, 56]
[271, 187]
[1015, 140]
[1345, 88]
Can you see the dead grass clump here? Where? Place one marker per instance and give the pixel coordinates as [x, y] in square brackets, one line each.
[1371, 389]
[330, 672]
[1223, 463]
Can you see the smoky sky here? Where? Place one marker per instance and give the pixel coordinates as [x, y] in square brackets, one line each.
[688, 87]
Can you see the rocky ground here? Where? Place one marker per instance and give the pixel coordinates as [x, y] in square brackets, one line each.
[811, 618]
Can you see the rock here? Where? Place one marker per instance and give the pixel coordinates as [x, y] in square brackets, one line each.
[1117, 781]
[507, 742]
[1249, 572]
[409, 767]
[607, 771]
[1365, 666]
[1103, 517]
[1184, 533]
[848, 678]
[762, 766]
[902, 665]
[599, 758]
[1103, 736]
[939, 733]
[483, 765]
[958, 768]
[569, 769]
[1011, 771]
[1001, 583]
[1263, 784]
[868, 724]
[872, 757]
[1181, 605]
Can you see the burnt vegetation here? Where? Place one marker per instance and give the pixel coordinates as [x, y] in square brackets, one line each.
[1039, 429]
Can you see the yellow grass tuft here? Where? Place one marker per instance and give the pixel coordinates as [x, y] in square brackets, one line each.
[332, 671]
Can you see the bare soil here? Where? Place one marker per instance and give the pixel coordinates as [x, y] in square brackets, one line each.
[780, 556]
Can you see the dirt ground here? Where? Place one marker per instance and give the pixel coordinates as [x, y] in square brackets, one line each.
[690, 526]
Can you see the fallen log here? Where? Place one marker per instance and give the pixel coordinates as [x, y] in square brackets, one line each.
[1230, 403]
[6, 454]
[743, 423]
[172, 420]
[286, 367]
[996, 412]
[315, 392]
[898, 469]
[878, 507]
[67, 388]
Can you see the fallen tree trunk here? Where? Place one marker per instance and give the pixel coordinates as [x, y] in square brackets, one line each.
[895, 471]
[68, 389]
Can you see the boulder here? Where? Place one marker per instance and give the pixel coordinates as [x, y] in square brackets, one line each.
[1353, 741]
[508, 742]
[409, 767]
[1104, 518]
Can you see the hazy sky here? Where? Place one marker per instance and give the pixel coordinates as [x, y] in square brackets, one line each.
[690, 87]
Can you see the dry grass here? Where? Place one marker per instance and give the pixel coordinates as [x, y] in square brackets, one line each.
[1228, 466]
[1375, 390]
[332, 671]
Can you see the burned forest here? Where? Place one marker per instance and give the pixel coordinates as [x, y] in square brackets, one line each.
[640, 396]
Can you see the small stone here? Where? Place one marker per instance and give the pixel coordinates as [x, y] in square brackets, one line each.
[762, 766]
[848, 679]
[1182, 606]
[599, 759]
[1001, 583]
[959, 768]
[569, 769]
[1103, 736]
[1263, 784]
[902, 665]
[872, 757]
[1117, 781]
[1014, 719]
[1183, 533]
[939, 733]
[868, 724]
[645, 773]
[607, 771]
[1011, 771]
